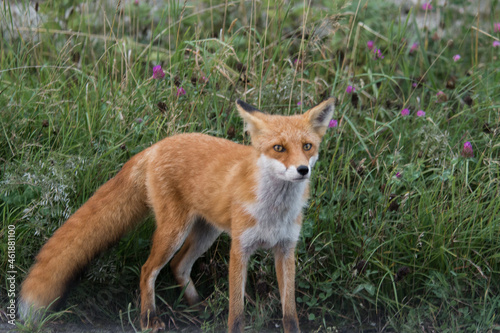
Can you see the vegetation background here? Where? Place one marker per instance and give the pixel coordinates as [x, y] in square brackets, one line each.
[402, 230]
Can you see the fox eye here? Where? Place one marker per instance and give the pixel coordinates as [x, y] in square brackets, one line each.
[307, 146]
[279, 148]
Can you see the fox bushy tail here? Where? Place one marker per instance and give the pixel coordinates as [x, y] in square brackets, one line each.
[115, 208]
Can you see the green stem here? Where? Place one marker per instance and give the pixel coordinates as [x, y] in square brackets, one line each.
[467, 172]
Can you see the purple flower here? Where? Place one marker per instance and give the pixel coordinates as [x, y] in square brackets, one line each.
[467, 151]
[204, 79]
[138, 120]
[333, 123]
[405, 112]
[426, 6]
[420, 113]
[414, 84]
[496, 27]
[297, 62]
[299, 103]
[399, 175]
[414, 47]
[158, 73]
[496, 44]
[181, 91]
[136, 2]
[456, 57]
[370, 44]
[350, 89]
[378, 54]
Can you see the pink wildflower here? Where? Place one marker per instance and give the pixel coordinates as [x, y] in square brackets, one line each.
[370, 44]
[496, 44]
[333, 123]
[467, 150]
[350, 89]
[420, 113]
[181, 91]
[456, 57]
[299, 103]
[158, 73]
[399, 175]
[414, 84]
[405, 112]
[414, 47]
[378, 54]
[426, 6]
[496, 27]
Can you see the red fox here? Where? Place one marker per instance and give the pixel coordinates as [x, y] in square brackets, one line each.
[197, 186]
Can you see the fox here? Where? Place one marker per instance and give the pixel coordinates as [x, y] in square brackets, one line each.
[197, 187]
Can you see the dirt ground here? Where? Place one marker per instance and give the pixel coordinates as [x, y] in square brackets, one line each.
[75, 328]
[64, 327]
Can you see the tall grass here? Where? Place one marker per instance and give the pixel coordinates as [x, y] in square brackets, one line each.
[402, 231]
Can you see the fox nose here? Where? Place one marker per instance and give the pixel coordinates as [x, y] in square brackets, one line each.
[303, 170]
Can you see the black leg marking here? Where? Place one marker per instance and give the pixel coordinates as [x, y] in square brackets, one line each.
[291, 325]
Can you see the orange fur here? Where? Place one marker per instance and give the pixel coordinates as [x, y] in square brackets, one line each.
[197, 186]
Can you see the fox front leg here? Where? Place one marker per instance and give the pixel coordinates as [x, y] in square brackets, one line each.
[284, 258]
[238, 262]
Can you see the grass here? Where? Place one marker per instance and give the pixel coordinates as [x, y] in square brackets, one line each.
[402, 231]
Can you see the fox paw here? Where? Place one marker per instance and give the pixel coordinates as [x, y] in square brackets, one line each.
[154, 324]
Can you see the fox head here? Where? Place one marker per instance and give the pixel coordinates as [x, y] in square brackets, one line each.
[288, 145]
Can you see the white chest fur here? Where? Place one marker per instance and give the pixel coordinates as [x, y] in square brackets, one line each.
[279, 203]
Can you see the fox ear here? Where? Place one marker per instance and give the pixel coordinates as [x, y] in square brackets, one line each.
[251, 115]
[320, 115]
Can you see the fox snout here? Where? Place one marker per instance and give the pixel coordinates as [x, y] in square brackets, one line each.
[303, 170]
[297, 173]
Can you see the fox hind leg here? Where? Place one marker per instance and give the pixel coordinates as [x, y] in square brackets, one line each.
[199, 240]
[168, 237]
